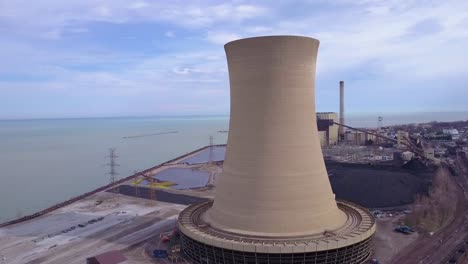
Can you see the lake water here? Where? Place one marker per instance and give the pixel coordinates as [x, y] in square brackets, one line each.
[184, 178]
[44, 162]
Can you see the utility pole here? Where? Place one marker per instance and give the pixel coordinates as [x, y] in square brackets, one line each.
[379, 122]
[379, 128]
[112, 164]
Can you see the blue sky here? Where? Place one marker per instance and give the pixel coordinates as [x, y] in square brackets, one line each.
[86, 58]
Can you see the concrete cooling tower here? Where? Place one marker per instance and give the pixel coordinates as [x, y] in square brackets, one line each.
[274, 202]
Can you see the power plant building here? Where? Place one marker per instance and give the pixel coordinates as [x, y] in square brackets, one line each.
[329, 133]
[358, 138]
[274, 202]
[401, 137]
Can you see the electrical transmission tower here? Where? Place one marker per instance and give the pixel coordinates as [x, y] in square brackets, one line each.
[112, 172]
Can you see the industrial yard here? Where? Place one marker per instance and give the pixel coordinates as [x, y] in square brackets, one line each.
[131, 215]
[68, 235]
[133, 219]
[101, 222]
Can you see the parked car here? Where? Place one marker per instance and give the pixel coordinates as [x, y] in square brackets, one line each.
[408, 228]
[402, 230]
[158, 253]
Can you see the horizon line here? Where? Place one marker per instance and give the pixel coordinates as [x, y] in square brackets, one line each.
[212, 115]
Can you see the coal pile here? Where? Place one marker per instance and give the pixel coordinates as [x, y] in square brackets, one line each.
[415, 165]
[378, 186]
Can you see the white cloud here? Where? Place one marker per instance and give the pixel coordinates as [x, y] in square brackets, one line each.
[78, 30]
[170, 34]
[53, 34]
[241, 12]
[138, 5]
[103, 11]
[209, 15]
[389, 40]
[258, 29]
[381, 37]
[52, 14]
[221, 37]
[182, 70]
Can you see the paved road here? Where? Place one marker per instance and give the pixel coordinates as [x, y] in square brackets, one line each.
[97, 246]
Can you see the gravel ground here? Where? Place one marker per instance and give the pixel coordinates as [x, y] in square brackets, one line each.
[387, 243]
[126, 221]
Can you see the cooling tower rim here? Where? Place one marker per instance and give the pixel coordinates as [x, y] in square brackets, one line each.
[359, 227]
[250, 39]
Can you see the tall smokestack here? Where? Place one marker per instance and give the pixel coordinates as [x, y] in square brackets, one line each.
[342, 120]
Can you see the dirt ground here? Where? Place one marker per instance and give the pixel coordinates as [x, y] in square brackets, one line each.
[126, 221]
[387, 243]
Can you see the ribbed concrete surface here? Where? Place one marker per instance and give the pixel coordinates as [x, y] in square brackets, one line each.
[359, 226]
[274, 180]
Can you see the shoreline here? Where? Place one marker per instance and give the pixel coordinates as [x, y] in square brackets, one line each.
[102, 188]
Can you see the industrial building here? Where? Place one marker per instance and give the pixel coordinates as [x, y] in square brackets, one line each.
[274, 202]
[429, 153]
[358, 138]
[402, 136]
[328, 132]
[452, 132]
[407, 155]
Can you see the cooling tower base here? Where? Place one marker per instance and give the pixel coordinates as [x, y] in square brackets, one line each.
[347, 244]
